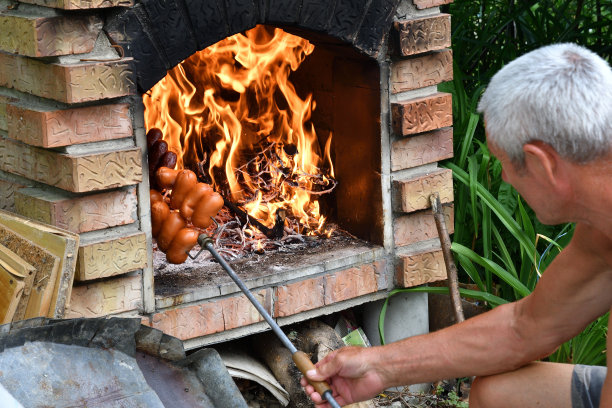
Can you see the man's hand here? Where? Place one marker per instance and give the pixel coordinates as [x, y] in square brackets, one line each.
[349, 373]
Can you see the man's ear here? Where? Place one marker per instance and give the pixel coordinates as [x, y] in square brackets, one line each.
[545, 163]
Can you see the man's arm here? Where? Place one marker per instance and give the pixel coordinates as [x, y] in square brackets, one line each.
[574, 290]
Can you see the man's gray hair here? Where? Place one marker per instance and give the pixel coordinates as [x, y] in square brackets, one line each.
[559, 94]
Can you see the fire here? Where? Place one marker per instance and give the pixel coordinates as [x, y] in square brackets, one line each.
[231, 112]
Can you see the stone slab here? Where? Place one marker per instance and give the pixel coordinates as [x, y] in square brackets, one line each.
[78, 213]
[46, 36]
[61, 127]
[76, 173]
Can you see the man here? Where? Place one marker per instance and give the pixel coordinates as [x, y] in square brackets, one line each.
[548, 117]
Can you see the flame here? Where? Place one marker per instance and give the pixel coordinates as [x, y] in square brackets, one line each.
[232, 107]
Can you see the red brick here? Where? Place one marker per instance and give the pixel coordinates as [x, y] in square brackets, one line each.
[413, 194]
[426, 70]
[299, 297]
[420, 226]
[422, 114]
[424, 34]
[238, 311]
[190, 321]
[420, 268]
[353, 282]
[38, 36]
[54, 128]
[76, 173]
[83, 82]
[421, 149]
[423, 4]
[78, 213]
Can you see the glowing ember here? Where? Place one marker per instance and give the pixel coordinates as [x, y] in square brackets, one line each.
[231, 112]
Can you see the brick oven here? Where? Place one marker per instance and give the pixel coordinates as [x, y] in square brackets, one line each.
[73, 151]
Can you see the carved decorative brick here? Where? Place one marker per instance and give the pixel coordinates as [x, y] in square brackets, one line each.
[238, 311]
[426, 70]
[109, 257]
[106, 297]
[424, 34]
[76, 173]
[53, 128]
[7, 195]
[36, 36]
[420, 268]
[423, 4]
[87, 81]
[299, 297]
[421, 149]
[422, 114]
[78, 213]
[80, 4]
[353, 282]
[413, 194]
[420, 226]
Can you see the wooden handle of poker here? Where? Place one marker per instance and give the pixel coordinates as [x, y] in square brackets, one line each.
[302, 361]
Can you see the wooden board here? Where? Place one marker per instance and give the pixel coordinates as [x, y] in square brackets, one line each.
[18, 264]
[11, 288]
[60, 243]
[46, 265]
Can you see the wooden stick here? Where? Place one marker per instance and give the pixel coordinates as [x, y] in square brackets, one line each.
[451, 269]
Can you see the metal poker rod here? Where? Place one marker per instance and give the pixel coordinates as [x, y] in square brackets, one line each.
[300, 358]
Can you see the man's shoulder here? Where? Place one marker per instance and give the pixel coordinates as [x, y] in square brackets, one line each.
[590, 240]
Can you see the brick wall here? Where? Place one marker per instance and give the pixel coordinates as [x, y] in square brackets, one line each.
[72, 148]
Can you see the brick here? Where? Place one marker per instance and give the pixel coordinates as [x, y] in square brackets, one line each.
[211, 317]
[80, 4]
[420, 226]
[353, 282]
[422, 114]
[413, 194]
[419, 72]
[76, 173]
[421, 149]
[299, 296]
[83, 82]
[7, 195]
[78, 213]
[54, 127]
[424, 34]
[420, 268]
[4, 101]
[110, 257]
[106, 297]
[37, 36]
[423, 4]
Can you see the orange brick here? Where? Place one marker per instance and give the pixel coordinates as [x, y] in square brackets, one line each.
[78, 213]
[413, 194]
[427, 70]
[238, 311]
[190, 321]
[424, 34]
[87, 81]
[76, 173]
[420, 268]
[37, 36]
[422, 114]
[106, 297]
[299, 296]
[420, 226]
[421, 149]
[353, 282]
[423, 4]
[54, 128]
